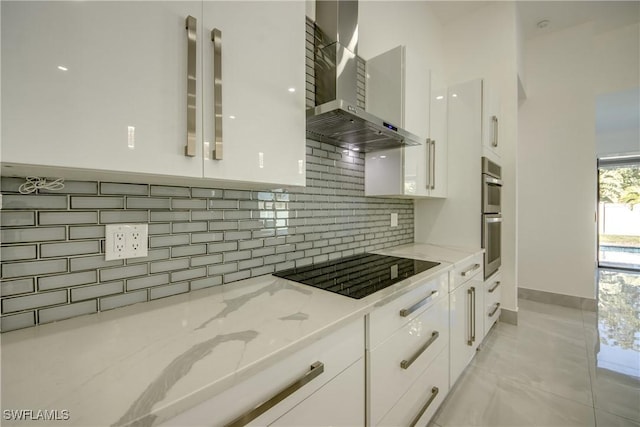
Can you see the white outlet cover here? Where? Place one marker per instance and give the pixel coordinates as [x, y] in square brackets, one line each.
[394, 219]
[123, 241]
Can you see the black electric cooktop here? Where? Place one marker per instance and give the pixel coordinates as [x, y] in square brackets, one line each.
[357, 276]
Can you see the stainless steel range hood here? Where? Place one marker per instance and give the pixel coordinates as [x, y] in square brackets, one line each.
[338, 118]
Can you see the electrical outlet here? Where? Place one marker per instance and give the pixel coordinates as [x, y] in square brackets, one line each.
[125, 241]
[394, 219]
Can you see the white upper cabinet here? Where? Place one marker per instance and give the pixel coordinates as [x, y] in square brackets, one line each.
[262, 62]
[98, 85]
[398, 89]
[491, 143]
[123, 86]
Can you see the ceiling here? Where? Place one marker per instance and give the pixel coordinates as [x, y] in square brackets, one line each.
[606, 15]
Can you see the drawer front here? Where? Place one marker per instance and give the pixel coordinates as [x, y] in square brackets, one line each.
[387, 319]
[396, 364]
[423, 398]
[466, 270]
[492, 298]
[336, 352]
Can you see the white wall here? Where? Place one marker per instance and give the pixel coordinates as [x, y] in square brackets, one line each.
[482, 44]
[557, 165]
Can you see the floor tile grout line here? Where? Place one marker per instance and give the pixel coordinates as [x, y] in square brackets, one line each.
[593, 393]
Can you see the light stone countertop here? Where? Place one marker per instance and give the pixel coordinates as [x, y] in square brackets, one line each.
[146, 363]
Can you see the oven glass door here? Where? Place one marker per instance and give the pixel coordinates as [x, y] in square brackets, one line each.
[491, 237]
[491, 198]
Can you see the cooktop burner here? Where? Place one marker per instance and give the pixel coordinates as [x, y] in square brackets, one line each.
[357, 276]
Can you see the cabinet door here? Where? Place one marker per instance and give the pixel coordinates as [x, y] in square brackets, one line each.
[98, 85]
[492, 295]
[490, 122]
[262, 85]
[338, 403]
[466, 327]
[438, 157]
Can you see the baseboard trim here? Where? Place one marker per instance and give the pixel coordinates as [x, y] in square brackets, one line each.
[570, 301]
[509, 316]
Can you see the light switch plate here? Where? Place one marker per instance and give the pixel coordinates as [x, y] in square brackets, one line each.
[123, 241]
[394, 219]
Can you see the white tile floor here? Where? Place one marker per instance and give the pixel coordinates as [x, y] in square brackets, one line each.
[558, 367]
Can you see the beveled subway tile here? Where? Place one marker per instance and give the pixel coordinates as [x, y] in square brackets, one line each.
[206, 237]
[237, 235]
[67, 311]
[256, 253]
[189, 227]
[67, 280]
[249, 225]
[206, 260]
[13, 202]
[17, 321]
[96, 291]
[33, 301]
[169, 216]
[178, 251]
[237, 194]
[251, 263]
[162, 228]
[162, 266]
[11, 184]
[109, 217]
[27, 235]
[92, 262]
[235, 256]
[48, 250]
[33, 268]
[15, 253]
[160, 190]
[152, 255]
[147, 281]
[188, 204]
[16, 287]
[109, 274]
[235, 214]
[115, 301]
[192, 273]
[250, 244]
[206, 215]
[234, 277]
[223, 204]
[148, 203]
[208, 193]
[223, 225]
[16, 219]
[74, 187]
[222, 247]
[206, 282]
[78, 202]
[175, 240]
[215, 270]
[126, 189]
[167, 291]
[86, 232]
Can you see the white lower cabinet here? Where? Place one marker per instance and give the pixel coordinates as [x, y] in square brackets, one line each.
[466, 308]
[339, 377]
[417, 406]
[492, 294]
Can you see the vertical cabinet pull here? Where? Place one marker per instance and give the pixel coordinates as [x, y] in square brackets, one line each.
[406, 363]
[473, 316]
[216, 38]
[192, 40]
[316, 369]
[494, 120]
[494, 310]
[434, 393]
[432, 168]
[428, 163]
[470, 311]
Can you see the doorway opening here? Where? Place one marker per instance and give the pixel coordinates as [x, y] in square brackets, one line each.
[619, 212]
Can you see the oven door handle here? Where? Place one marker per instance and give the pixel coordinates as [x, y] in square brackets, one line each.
[489, 220]
[490, 180]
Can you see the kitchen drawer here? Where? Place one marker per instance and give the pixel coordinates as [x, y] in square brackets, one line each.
[492, 297]
[388, 318]
[336, 351]
[465, 270]
[340, 402]
[388, 379]
[424, 397]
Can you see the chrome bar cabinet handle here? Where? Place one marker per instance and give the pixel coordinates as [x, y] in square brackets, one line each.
[216, 38]
[494, 310]
[192, 40]
[473, 268]
[407, 311]
[494, 142]
[428, 151]
[434, 393]
[494, 287]
[406, 363]
[432, 168]
[316, 369]
[473, 316]
[470, 302]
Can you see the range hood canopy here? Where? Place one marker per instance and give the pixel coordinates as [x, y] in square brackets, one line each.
[339, 117]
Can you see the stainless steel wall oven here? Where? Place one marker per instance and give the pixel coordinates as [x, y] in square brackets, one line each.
[491, 215]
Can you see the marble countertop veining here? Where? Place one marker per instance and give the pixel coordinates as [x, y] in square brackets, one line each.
[143, 364]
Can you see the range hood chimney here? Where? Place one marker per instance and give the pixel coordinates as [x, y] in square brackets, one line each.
[339, 117]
